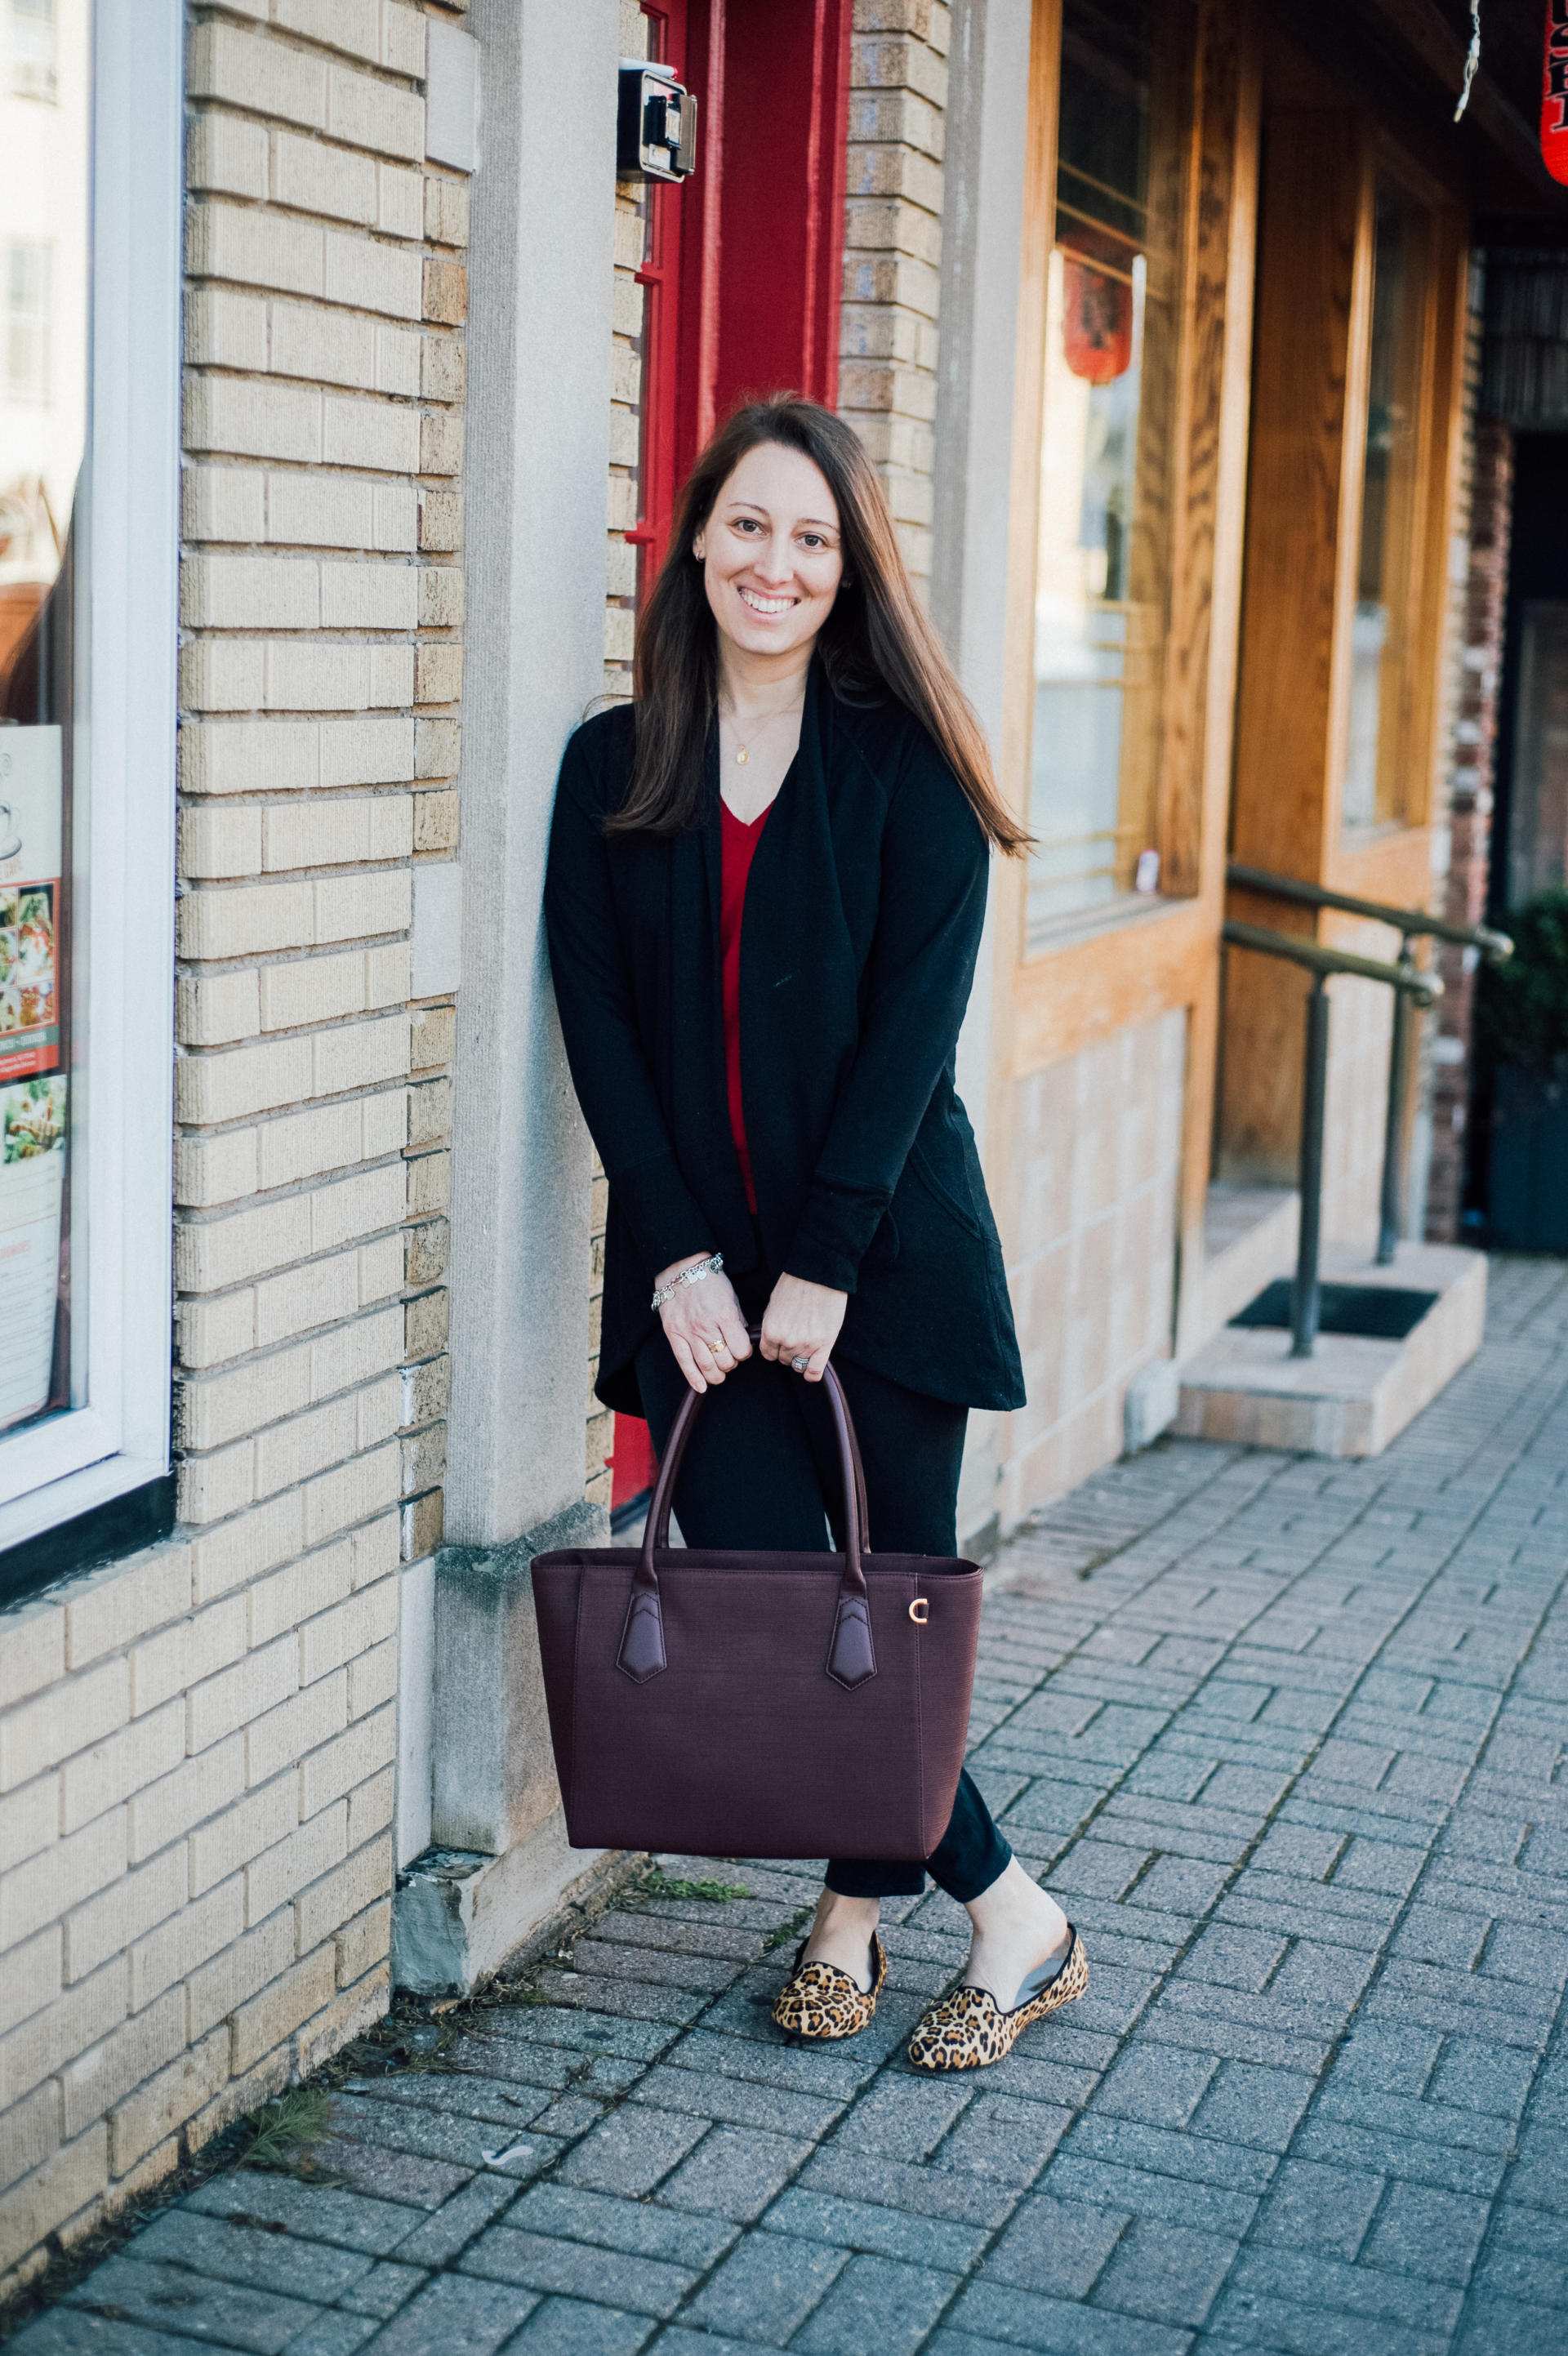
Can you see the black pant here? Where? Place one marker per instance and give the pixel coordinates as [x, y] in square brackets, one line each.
[762, 1470]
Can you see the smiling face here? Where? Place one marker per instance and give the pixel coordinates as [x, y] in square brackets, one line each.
[772, 562]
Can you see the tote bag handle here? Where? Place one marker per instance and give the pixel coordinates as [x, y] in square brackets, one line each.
[851, 1659]
[656, 1529]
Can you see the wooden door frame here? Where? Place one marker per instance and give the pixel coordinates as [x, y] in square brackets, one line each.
[1305, 492]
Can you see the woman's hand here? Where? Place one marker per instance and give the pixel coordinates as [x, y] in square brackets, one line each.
[703, 1324]
[802, 1322]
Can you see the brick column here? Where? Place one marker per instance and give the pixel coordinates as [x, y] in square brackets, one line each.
[620, 632]
[1475, 741]
[541, 406]
[893, 244]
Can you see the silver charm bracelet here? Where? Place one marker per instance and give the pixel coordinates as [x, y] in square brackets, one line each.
[687, 1276]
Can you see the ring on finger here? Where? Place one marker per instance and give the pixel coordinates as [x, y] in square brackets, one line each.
[799, 1366]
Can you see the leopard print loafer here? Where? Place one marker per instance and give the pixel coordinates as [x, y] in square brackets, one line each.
[969, 2029]
[819, 2001]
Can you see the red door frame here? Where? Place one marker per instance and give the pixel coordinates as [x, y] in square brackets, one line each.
[661, 278]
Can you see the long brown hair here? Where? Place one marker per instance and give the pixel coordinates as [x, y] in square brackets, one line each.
[876, 640]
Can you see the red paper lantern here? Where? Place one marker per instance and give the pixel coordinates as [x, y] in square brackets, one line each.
[1554, 91]
[1097, 320]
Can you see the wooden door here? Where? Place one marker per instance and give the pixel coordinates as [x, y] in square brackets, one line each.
[1354, 422]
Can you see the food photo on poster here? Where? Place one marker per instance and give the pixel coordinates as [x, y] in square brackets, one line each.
[32, 1182]
[30, 900]
[33, 1091]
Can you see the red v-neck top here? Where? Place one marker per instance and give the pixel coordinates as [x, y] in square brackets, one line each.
[740, 842]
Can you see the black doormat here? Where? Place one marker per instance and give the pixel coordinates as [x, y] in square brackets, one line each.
[1373, 1313]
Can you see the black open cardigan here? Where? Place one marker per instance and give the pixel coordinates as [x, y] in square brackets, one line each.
[862, 920]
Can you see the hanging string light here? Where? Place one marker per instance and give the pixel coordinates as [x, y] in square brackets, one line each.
[1472, 59]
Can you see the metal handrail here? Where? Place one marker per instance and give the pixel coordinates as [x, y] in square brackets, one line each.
[1412, 922]
[1410, 986]
[1425, 988]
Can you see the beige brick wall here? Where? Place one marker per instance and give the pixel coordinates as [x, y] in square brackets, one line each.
[892, 241]
[197, 1745]
[1088, 1211]
[626, 404]
[601, 1422]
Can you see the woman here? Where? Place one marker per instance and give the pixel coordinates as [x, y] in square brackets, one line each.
[778, 1119]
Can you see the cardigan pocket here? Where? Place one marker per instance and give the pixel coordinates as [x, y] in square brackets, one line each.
[959, 1206]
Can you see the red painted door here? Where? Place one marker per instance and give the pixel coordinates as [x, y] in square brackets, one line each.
[744, 262]
[786, 108]
[632, 1462]
[762, 219]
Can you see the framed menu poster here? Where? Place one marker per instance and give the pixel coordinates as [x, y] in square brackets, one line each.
[33, 1089]
[32, 1176]
[30, 806]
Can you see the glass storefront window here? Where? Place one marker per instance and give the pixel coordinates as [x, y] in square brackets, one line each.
[91, 121]
[1382, 681]
[44, 268]
[1538, 783]
[1102, 571]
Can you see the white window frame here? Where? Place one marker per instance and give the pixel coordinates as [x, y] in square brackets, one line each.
[123, 765]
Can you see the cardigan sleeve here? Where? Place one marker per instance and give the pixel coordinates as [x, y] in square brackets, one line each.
[604, 1048]
[916, 984]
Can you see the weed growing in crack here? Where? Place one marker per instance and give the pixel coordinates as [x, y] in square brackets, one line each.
[282, 2131]
[655, 1884]
[788, 1931]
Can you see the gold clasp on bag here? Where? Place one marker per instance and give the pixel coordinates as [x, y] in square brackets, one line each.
[919, 1612]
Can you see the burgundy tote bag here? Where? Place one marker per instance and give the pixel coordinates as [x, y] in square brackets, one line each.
[753, 1704]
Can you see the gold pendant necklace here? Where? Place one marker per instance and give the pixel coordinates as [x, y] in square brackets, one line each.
[743, 752]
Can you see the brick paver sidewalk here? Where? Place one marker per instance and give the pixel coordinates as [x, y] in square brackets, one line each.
[1287, 1736]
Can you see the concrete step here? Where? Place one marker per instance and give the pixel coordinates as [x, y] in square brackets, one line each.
[1352, 1396]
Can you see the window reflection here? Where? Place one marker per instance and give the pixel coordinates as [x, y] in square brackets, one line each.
[44, 98]
[1103, 559]
[1538, 783]
[1380, 683]
[34, 72]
